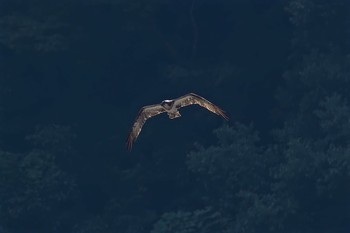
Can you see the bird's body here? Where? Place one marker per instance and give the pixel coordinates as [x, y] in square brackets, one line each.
[171, 107]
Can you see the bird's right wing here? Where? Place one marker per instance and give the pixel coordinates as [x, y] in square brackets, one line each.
[144, 113]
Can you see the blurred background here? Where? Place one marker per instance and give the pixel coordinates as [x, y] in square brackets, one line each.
[74, 74]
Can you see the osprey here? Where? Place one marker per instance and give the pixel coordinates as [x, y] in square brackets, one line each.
[171, 107]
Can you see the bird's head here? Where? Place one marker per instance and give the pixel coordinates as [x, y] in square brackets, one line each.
[167, 103]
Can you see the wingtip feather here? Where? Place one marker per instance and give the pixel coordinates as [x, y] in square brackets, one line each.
[129, 142]
[224, 115]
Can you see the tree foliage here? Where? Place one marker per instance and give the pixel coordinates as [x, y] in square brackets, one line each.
[74, 73]
[33, 185]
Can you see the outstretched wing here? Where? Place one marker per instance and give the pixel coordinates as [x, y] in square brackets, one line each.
[192, 98]
[144, 113]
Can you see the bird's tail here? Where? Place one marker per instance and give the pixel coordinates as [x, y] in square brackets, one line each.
[174, 115]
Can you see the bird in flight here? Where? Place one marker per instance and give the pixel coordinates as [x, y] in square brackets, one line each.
[171, 107]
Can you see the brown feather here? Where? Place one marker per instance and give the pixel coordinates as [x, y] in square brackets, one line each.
[145, 113]
[192, 98]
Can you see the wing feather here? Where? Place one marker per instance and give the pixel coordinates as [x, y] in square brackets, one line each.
[193, 98]
[145, 113]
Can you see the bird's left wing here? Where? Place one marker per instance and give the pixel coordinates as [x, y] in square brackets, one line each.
[144, 113]
[192, 98]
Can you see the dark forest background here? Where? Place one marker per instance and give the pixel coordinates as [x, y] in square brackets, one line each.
[74, 73]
